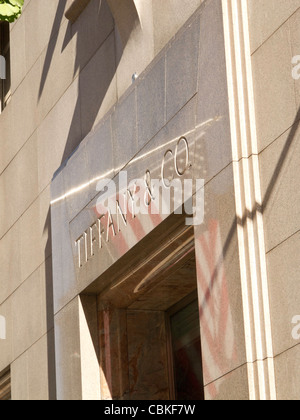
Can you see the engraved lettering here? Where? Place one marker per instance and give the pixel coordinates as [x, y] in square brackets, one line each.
[148, 197]
[85, 247]
[131, 195]
[93, 239]
[100, 230]
[108, 191]
[163, 170]
[110, 224]
[121, 214]
[144, 196]
[176, 186]
[187, 157]
[78, 242]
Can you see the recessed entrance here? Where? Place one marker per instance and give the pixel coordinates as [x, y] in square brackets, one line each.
[149, 328]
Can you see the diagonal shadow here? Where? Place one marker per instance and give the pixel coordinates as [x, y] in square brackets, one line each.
[97, 92]
[257, 208]
[50, 313]
[282, 159]
[71, 145]
[52, 43]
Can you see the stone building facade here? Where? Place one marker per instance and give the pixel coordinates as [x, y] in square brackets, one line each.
[149, 241]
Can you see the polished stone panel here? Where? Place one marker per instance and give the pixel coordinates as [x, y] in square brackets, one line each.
[147, 356]
[182, 68]
[151, 97]
[171, 125]
[76, 176]
[113, 352]
[213, 126]
[124, 127]
[115, 244]
[100, 153]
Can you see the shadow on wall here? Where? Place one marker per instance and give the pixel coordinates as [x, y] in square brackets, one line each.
[267, 197]
[276, 177]
[94, 84]
[100, 29]
[50, 312]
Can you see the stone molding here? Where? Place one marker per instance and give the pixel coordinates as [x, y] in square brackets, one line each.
[250, 229]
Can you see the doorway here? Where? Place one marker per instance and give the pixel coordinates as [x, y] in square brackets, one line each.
[150, 346]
